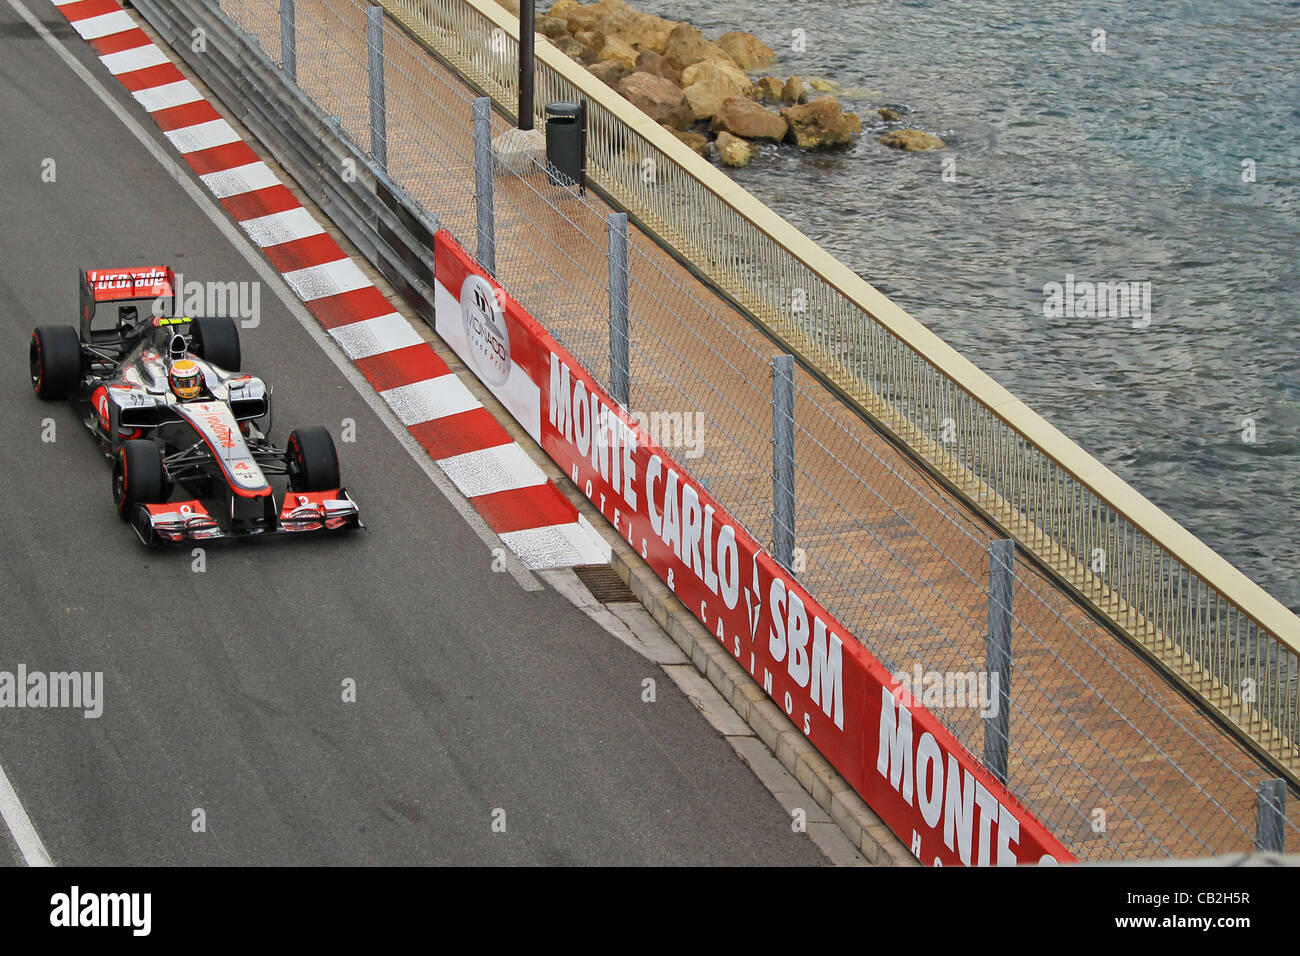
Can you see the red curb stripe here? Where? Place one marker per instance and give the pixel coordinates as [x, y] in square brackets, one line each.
[519, 509]
[456, 434]
[227, 156]
[117, 42]
[301, 253]
[85, 9]
[347, 307]
[150, 76]
[404, 366]
[187, 114]
[260, 202]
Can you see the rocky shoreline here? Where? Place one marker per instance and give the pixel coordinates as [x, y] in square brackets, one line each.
[705, 92]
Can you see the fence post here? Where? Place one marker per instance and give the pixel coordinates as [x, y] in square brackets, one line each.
[487, 244]
[378, 112]
[997, 726]
[1270, 816]
[288, 40]
[620, 381]
[783, 459]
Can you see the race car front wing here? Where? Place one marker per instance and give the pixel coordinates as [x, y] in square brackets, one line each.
[177, 521]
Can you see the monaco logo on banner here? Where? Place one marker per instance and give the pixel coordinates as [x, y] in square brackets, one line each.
[908, 768]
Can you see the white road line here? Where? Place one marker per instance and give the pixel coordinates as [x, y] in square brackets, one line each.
[489, 470]
[20, 825]
[385, 333]
[430, 399]
[239, 179]
[278, 227]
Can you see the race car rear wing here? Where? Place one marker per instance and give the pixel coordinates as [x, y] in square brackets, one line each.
[141, 287]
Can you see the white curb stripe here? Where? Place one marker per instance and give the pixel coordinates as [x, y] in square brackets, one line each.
[488, 470]
[168, 95]
[136, 58]
[387, 333]
[430, 399]
[240, 179]
[330, 278]
[104, 25]
[280, 227]
[191, 139]
[555, 546]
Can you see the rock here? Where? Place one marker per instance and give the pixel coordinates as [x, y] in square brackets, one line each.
[747, 119]
[652, 62]
[822, 86]
[710, 83]
[618, 51]
[821, 123]
[696, 141]
[659, 99]
[912, 140]
[734, 150]
[793, 91]
[686, 46]
[609, 72]
[572, 49]
[592, 41]
[510, 6]
[551, 27]
[888, 115]
[769, 89]
[749, 52]
[577, 16]
[614, 18]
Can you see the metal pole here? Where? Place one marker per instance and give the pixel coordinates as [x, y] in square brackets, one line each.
[783, 459]
[288, 40]
[582, 147]
[620, 381]
[997, 725]
[378, 114]
[1270, 816]
[527, 28]
[487, 246]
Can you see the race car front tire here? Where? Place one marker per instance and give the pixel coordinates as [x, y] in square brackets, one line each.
[216, 339]
[313, 460]
[138, 476]
[54, 359]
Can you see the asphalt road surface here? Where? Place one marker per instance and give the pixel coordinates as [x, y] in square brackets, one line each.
[223, 688]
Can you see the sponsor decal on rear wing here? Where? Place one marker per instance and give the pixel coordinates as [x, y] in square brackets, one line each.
[110, 285]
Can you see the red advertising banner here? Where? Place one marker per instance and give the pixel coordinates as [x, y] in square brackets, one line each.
[909, 769]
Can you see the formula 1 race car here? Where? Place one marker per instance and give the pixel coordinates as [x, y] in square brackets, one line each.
[186, 431]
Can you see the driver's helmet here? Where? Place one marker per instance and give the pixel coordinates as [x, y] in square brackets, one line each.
[185, 379]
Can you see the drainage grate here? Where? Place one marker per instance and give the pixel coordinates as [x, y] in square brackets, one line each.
[604, 584]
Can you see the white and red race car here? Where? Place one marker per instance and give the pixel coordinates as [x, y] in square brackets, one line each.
[185, 429]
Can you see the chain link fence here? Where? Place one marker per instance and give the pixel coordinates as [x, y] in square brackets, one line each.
[1110, 757]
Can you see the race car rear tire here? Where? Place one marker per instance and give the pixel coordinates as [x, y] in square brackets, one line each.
[138, 476]
[313, 460]
[54, 359]
[216, 339]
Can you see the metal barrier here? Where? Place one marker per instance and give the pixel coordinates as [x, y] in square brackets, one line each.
[890, 554]
[1213, 629]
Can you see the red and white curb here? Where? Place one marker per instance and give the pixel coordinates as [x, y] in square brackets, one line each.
[528, 511]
